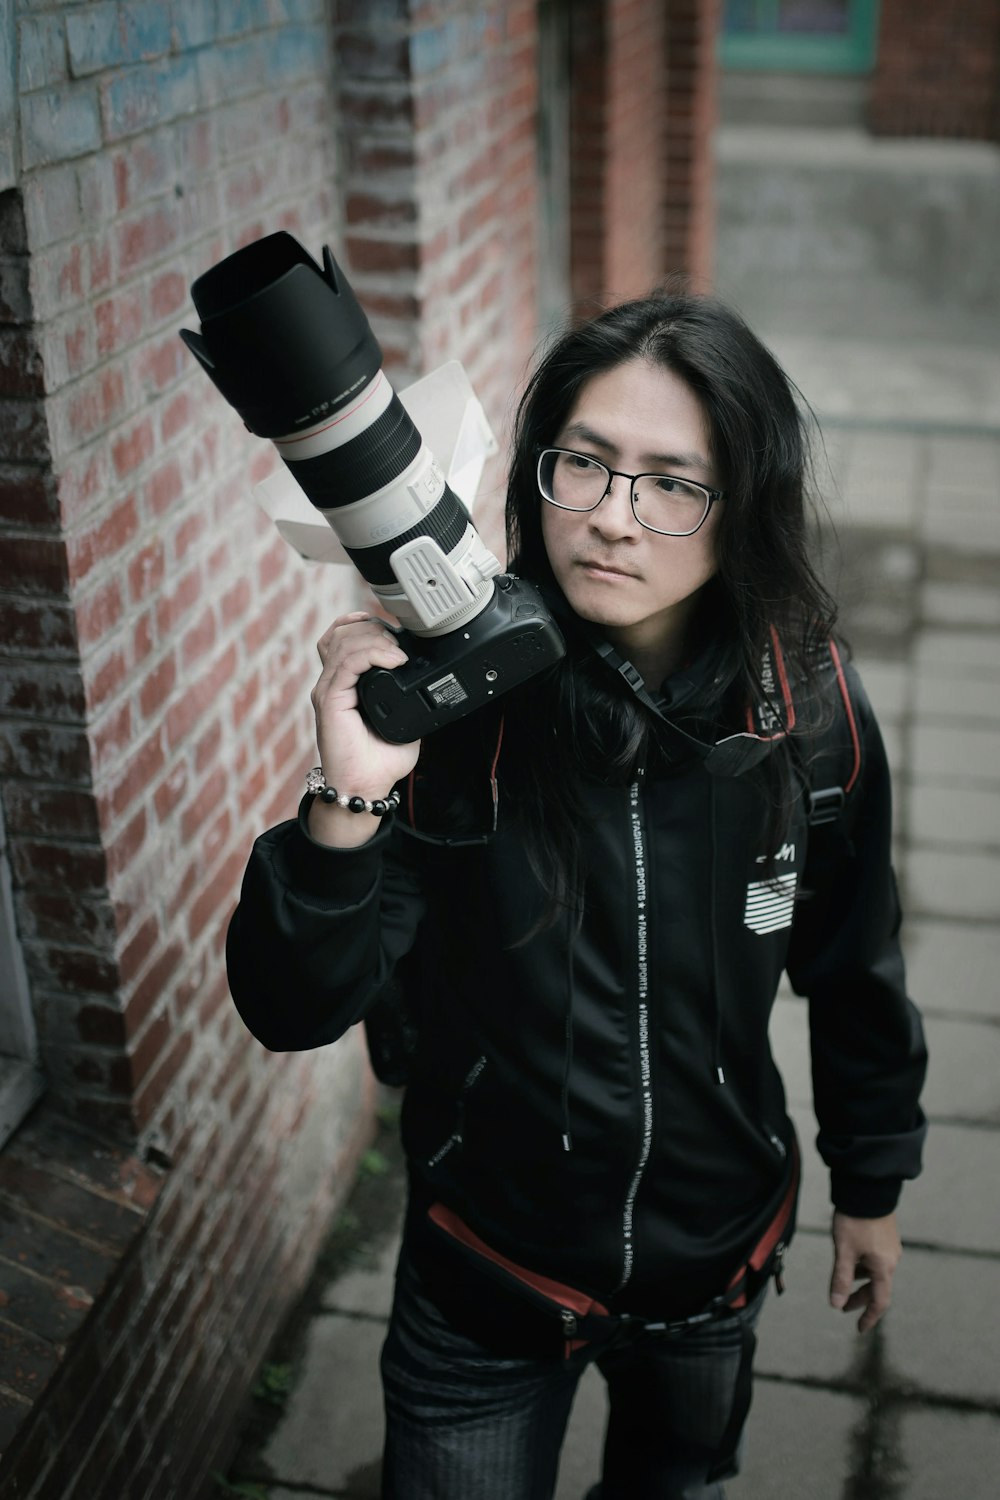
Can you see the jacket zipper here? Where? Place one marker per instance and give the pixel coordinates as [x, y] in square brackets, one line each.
[642, 1013]
[455, 1139]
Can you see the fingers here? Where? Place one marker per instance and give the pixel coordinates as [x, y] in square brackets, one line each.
[873, 1297]
[865, 1250]
[352, 644]
[879, 1290]
[335, 633]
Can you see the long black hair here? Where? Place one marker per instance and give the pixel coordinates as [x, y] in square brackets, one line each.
[765, 581]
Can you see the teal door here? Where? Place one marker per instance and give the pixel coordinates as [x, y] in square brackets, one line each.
[799, 36]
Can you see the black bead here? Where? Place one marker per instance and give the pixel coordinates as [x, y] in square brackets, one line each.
[328, 794]
[379, 807]
[356, 804]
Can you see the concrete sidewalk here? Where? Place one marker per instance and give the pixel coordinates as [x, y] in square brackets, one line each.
[912, 466]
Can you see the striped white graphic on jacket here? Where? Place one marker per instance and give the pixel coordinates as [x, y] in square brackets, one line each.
[770, 903]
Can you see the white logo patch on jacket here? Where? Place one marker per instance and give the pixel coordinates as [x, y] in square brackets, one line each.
[770, 904]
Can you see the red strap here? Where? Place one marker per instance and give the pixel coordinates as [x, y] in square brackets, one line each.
[565, 1296]
[849, 708]
[772, 1234]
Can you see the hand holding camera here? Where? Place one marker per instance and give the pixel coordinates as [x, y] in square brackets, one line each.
[354, 759]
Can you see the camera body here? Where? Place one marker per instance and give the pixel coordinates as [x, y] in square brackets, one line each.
[449, 676]
[289, 347]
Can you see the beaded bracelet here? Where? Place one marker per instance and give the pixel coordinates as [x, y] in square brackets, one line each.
[316, 784]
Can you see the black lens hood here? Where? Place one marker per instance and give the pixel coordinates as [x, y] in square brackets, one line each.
[284, 341]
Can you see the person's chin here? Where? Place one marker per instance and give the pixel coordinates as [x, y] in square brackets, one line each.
[598, 612]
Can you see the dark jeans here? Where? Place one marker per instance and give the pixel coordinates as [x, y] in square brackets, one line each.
[465, 1424]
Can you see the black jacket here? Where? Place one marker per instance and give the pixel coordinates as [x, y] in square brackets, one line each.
[601, 1105]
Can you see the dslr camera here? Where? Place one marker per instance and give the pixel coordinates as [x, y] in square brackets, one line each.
[288, 345]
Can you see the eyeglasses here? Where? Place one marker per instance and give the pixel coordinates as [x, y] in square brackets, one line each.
[660, 503]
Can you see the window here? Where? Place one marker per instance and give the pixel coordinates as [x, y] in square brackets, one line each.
[821, 36]
[20, 1079]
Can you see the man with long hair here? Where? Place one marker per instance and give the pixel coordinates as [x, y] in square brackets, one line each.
[586, 896]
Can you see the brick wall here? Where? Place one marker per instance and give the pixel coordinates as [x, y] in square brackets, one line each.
[437, 113]
[937, 70]
[643, 100]
[692, 87]
[157, 644]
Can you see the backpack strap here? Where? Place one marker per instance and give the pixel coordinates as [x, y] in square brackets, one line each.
[835, 763]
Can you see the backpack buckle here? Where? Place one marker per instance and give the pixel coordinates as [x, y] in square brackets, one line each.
[826, 805]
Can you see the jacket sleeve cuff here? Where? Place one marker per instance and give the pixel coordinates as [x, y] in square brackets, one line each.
[864, 1197]
[338, 876]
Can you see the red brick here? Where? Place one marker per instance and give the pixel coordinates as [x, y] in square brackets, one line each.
[38, 809]
[101, 259]
[36, 625]
[141, 768]
[235, 602]
[288, 746]
[177, 414]
[154, 1088]
[160, 362]
[80, 867]
[207, 747]
[123, 849]
[100, 541]
[252, 789]
[150, 1047]
[152, 987]
[146, 570]
[220, 891]
[144, 238]
[367, 254]
[263, 464]
[198, 812]
[144, 170]
[188, 708]
[199, 639]
[79, 969]
[34, 564]
[168, 294]
[142, 637]
[110, 735]
[105, 678]
[171, 791]
[99, 612]
[40, 690]
[178, 892]
[119, 321]
[101, 1025]
[214, 838]
[171, 608]
[165, 486]
[29, 496]
[267, 621]
[188, 534]
[133, 449]
[244, 698]
[273, 564]
[96, 402]
[137, 950]
[157, 686]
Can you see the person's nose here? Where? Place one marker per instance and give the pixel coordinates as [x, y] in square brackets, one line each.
[614, 518]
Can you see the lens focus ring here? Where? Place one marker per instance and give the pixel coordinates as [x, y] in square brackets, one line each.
[363, 465]
[446, 524]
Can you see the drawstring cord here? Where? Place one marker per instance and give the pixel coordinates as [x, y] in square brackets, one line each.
[574, 922]
[717, 1069]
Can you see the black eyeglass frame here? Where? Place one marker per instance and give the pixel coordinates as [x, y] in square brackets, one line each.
[711, 496]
